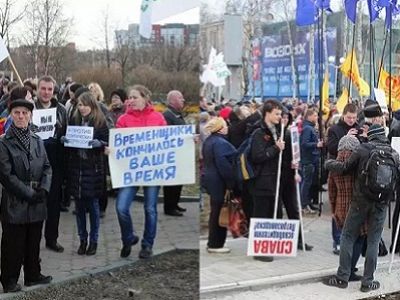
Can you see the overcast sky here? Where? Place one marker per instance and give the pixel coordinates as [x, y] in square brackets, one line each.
[87, 15]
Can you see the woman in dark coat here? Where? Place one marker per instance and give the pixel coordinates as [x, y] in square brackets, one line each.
[86, 171]
[25, 174]
[218, 155]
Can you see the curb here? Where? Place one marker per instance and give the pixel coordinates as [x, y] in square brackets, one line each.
[212, 292]
[88, 274]
[182, 199]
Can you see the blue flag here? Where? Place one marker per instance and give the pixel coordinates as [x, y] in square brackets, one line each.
[392, 9]
[324, 4]
[351, 9]
[306, 12]
[374, 8]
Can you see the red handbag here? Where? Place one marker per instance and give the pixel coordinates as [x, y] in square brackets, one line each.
[238, 224]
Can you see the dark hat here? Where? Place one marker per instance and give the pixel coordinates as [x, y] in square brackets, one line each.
[74, 87]
[369, 102]
[120, 93]
[374, 130]
[80, 91]
[372, 111]
[19, 103]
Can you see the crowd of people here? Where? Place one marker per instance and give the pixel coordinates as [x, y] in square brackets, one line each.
[39, 178]
[350, 152]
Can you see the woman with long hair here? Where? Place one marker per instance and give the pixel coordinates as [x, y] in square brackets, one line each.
[86, 171]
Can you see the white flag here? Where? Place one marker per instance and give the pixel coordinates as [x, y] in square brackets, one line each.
[156, 10]
[3, 50]
[216, 71]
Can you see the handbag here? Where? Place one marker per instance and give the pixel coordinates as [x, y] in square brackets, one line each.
[238, 224]
[224, 213]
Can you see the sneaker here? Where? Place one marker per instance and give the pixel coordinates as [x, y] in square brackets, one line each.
[219, 250]
[336, 250]
[312, 207]
[126, 249]
[145, 253]
[308, 211]
[336, 282]
[374, 285]
[42, 279]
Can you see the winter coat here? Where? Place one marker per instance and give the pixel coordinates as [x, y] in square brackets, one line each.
[18, 169]
[356, 163]
[141, 118]
[308, 144]
[395, 126]
[264, 155]
[86, 168]
[238, 130]
[173, 117]
[335, 133]
[219, 175]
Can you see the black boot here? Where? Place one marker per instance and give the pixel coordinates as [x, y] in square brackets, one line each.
[82, 247]
[91, 250]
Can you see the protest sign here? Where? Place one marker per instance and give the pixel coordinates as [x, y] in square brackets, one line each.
[381, 99]
[269, 237]
[396, 143]
[148, 156]
[78, 137]
[294, 133]
[44, 121]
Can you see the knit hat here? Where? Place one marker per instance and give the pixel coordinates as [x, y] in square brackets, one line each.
[80, 91]
[215, 125]
[348, 142]
[19, 103]
[74, 87]
[375, 130]
[120, 93]
[372, 111]
[225, 112]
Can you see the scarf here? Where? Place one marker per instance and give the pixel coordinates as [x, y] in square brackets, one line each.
[23, 136]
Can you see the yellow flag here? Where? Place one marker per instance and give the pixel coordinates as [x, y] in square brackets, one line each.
[349, 69]
[325, 96]
[343, 100]
[383, 84]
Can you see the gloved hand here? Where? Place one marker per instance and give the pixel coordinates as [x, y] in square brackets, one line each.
[95, 143]
[63, 140]
[39, 196]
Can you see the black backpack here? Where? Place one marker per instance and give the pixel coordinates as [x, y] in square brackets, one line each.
[379, 174]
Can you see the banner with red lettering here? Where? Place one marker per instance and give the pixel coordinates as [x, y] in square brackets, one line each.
[269, 237]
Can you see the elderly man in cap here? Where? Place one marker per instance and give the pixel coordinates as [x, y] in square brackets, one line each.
[365, 207]
[25, 174]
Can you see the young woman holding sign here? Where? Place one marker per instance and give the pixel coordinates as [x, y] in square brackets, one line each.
[86, 171]
[139, 113]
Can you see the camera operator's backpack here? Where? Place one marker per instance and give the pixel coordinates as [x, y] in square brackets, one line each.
[380, 174]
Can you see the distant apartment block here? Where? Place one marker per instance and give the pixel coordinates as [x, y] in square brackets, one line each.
[174, 34]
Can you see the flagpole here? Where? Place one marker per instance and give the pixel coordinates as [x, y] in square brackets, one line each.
[390, 64]
[352, 53]
[15, 70]
[383, 56]
[320, 125]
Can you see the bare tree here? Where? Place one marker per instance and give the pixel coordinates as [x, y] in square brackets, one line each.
[8, 17]
[46, 30]
[122, 54]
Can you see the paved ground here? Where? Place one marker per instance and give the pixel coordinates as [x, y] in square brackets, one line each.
[173, 233]
[231, 276]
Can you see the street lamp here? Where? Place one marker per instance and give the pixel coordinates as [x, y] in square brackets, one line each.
[332, 60]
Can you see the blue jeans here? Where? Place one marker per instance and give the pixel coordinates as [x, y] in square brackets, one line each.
[307, 176]
[81, 206]
[375, 214]
[336, 232]
[123, 204]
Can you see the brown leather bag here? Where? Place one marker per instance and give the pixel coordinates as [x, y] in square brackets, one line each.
[224, 214]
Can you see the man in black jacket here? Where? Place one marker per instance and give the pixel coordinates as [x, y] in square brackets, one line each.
[363, 209]
[173, 116]
[55, 153]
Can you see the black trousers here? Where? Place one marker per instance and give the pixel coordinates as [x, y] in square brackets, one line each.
[20, 244]
[263, 206]
[53, 207]
[247, 200]
[103, 201]
[172, 194]
[216, 233]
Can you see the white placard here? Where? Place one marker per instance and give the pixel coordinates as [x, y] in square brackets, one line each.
[295, 139]
[45, 121]
[381, 99]
[148, 156]
[78, 137]
[269, 237]
[396, 143]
